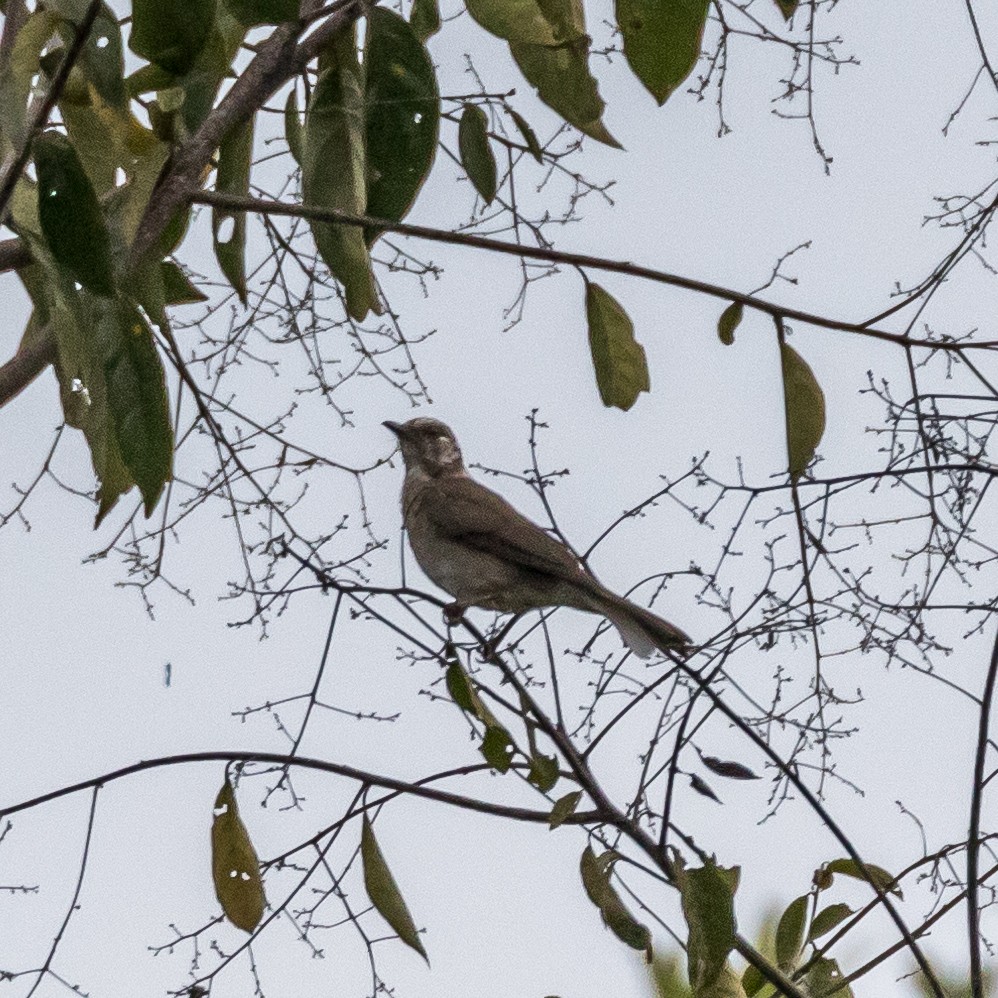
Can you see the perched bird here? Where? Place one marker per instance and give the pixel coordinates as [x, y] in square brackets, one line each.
[475, 546]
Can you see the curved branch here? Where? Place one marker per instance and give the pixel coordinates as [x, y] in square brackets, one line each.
[29, 361]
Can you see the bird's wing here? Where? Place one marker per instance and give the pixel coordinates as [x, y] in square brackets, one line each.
[466, 511]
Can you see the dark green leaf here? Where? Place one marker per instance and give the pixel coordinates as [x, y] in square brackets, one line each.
[827, 919]
[787, 8]
[790, 933]
[213, 63]
[136, 394]
[171, 33]
[708, 905]
[879, 876]
[728, 323]
[595, 871]
[334, 173]
[424, 19]
[70, 215]
[292, 126]
[619, 360]
[723, 767]
[564, 808]
[543, 772]
[253, 12]
[752, 981]
[460, 688]
[384, 891]
[148, 78]
[228, 229]
[563, 81]
[402, 109]
[804, 408]
[102, 59]
[497, 747]
[662, 40]
[702, 787]
[234, 864]
[476, 153]
[529, 137]
[177, 286]
[825, 978]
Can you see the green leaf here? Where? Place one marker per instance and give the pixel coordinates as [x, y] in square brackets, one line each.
[662, 40]
[562, 79]
[476, 154]
[529, 136]
[497, 747]
[253, 12]
[564, 808]
[728, 323]
[70, 215]
[825, 978]
[402, 115]
[228, 229]
[826, 920]
[787, 8]
[752, 981]
[424, 19]
[292, 126]
[804, 408]
[177, 286]
[234, 864]
[148, 78]
[790, 933]
[384, 892]
[708, 894]
[543, 772]
[136, 393]
[516, 21]
[22, 66]
[619, 360]
[171, 33]
[213, 63]
[667, 977]
[334, 171]
[848, 868]
[595, 872]
[725, 767]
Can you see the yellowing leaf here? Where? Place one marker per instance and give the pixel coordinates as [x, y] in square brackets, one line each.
[662, 40]
[849, 868]
[234, 865]
[384, 892]
[728, 323]
[514, 20]
[804, 408]
[564, 808]
[619, 360]
[476, 154]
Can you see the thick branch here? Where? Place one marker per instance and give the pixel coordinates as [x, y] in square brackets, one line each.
[29, 361]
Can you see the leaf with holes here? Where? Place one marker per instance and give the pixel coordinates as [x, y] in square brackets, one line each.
[20, 70]
[102, 58]
[662, 41]
[334, 171]
[825, 978]
[708, 894]
[402, 108]
[171, 33]
[497, 747]
[619, 360]
[476, 153]
[728, 323]
[804, 409]
[228, 229]
[543, 772]
[234, 864]
[384, 891]
[70, 215]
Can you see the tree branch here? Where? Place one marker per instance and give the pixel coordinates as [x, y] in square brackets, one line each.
[29, 361]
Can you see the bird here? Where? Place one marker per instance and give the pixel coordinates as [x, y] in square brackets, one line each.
[484, 553]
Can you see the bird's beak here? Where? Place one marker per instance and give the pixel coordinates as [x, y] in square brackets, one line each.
[394, 427]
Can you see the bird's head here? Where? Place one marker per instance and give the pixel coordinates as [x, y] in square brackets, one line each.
[428, 446]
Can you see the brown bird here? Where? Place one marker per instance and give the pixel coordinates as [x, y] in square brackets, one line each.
[475, 546]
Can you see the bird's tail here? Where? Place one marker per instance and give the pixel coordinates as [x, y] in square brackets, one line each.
[643, 631]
